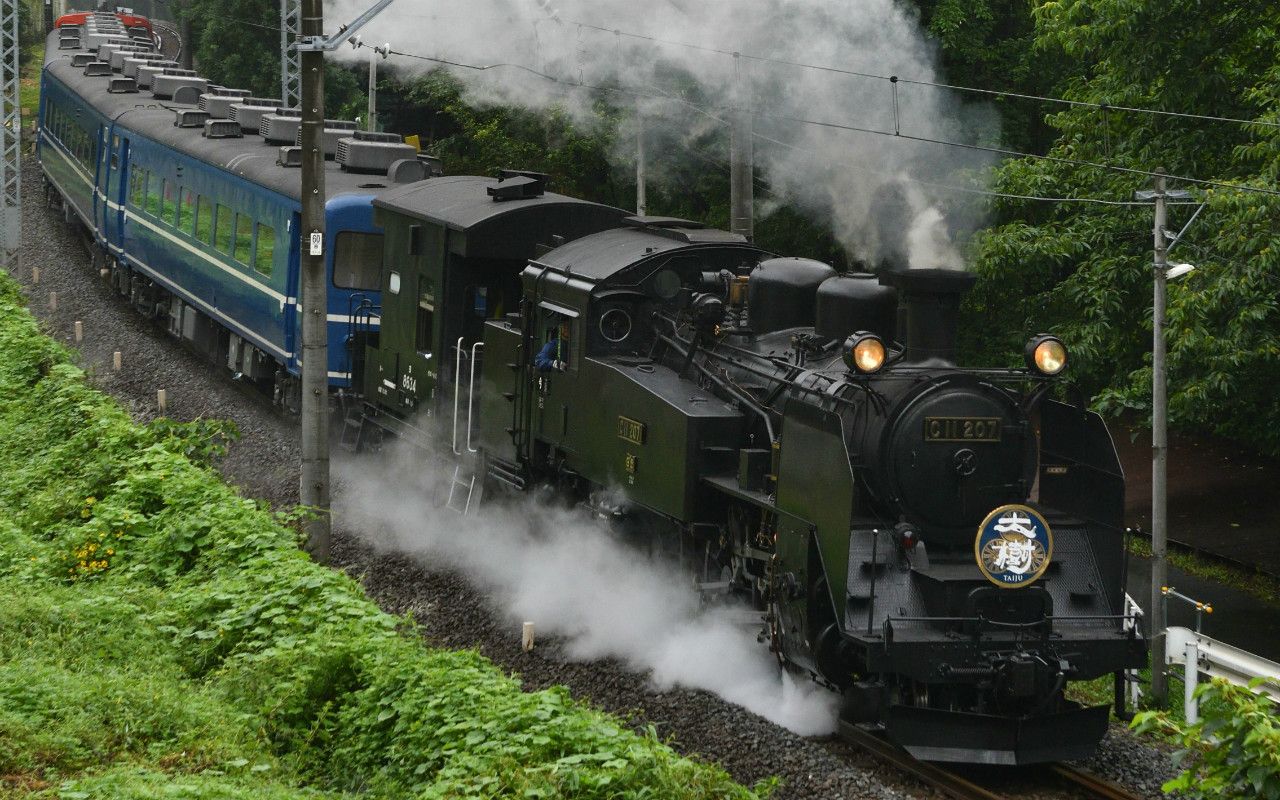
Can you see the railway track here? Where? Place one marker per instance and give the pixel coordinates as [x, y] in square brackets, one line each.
[959, 787]
[170, 40]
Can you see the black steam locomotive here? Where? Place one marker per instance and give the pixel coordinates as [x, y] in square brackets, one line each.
[940, 544]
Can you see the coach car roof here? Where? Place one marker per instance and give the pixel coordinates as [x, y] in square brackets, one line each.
[487, 228]
[463, 203]
[249, 157]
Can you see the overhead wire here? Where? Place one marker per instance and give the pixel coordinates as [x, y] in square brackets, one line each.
[870, 131]
[921, 82]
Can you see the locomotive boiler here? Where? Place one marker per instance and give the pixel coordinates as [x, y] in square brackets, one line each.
[939, 543]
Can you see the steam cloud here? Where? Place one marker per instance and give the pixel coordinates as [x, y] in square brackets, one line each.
[574, 579]
[879, 193]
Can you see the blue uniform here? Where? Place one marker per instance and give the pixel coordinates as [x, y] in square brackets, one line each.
[550, 353]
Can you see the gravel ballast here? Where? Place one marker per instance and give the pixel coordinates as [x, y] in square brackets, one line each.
[264, 464]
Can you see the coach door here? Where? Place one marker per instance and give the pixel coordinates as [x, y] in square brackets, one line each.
[100, 169]
[117, 190]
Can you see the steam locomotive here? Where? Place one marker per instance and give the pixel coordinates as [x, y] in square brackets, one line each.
[940, 544]
[943, 545]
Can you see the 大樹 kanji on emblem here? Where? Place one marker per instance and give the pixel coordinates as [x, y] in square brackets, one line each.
[1017, 548]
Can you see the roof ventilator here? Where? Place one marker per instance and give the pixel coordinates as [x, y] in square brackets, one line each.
[290, 156]
[373, 153]
[407, 170]
[518, 185]
[68, 42]
[122, 86]
[249, 111]
[334, 130]
[434, 164]
[187, 118]
[282, 126]
[82, 59]
[187, 95]
[95, 69]
[222, 129]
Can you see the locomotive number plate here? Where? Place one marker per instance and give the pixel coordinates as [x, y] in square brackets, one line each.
[630, 430]
[962, 429]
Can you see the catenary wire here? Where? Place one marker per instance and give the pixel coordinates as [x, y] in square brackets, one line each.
[870, 131]
[919, 82]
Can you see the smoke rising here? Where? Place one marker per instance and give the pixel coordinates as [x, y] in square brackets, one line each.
[837, 176]
[567, 573]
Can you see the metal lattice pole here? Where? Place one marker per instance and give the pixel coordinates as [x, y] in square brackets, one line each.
[10, 138]
[290, 59]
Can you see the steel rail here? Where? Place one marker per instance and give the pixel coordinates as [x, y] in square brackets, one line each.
[1093, 783]
[945, 781]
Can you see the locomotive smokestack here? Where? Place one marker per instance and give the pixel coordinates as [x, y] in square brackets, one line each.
[928, 309]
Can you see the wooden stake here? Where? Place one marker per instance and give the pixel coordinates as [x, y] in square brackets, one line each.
[526, 637]
[35, 276]
[162, 400]
[115, 361]
[53, 301]
[79, 331]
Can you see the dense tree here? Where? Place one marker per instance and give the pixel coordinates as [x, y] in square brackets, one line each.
[1085, 269]
[237, 43]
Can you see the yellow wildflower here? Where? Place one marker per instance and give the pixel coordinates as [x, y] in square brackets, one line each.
[110, 552]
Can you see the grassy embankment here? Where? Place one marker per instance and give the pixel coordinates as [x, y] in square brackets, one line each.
[162, 636]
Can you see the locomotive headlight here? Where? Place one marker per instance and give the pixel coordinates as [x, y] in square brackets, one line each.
[864, 352]
[1046, 355]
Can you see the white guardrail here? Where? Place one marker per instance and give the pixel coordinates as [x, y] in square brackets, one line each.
[1198, 653]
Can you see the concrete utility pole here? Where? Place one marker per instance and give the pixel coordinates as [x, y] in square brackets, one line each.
[1159, 455]
[642, 201]
[383, 51]
[741, 160]
[312, 45]
[290, 59]
[10, 138]
[372, 122]
[315, 293]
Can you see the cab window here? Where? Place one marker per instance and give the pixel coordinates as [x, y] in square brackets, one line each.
[357, 260]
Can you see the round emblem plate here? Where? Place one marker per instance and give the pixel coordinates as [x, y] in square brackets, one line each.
[1014, 546]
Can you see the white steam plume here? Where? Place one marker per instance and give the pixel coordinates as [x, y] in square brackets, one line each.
[575, 580]
[879, 193]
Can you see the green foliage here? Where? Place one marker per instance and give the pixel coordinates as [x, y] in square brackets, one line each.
[1084, 270]
[160, 634]
[1232, 752]
[237, 43]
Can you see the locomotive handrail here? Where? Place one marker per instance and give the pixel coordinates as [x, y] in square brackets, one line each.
[1019, 626]
[471, 396]
[742, 396]
[457, 392]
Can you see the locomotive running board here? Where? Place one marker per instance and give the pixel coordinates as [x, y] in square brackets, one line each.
[932, 734]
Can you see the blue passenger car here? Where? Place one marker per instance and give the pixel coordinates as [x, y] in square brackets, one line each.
[201, 225]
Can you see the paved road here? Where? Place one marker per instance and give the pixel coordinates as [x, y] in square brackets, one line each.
[1237, 619]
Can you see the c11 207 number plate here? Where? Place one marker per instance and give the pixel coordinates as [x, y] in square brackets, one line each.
[962, 429]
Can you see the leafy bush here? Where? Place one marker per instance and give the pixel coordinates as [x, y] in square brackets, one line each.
[1232, 752]
[158, 630]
